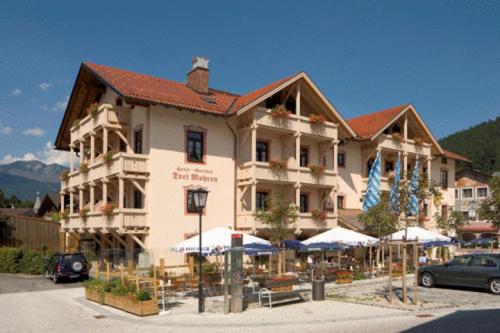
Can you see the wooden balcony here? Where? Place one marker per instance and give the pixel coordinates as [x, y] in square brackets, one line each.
[327, 178]
[264, 172]
[409, 146]
[384, 184]
[293, 123]
[121, 163]
[305, 221]
[107, 115]
[121, 220]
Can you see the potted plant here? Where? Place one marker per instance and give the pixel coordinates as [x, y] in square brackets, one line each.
[108, 158]
[84, 168]
[280, 112]
[107, 210]
[93, 110]
[317, 169]
[281, 283]
[343, 277]
[419, 142]
[84, 212]
[65, 215]
[278, 165]
[396, 136]
[319, 215]
[317, 119]
[397, 270]
[64, 176]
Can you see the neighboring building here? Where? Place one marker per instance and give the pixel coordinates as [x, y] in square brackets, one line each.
[471, 188]
[50, 204]
[148, 142]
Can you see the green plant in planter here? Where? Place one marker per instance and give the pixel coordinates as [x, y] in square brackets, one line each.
[108, 158]
[319, 215]
[317, 170]
[84, 168]
[278, 165]
[143, 295]
[55, 217]
[84, 213]
[280, 112]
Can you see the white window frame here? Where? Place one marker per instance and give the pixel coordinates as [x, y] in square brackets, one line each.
[472, 193]
[477, 191]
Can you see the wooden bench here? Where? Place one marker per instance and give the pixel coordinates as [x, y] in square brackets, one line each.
[279, 297]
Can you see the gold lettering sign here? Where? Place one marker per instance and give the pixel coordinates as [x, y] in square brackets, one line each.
[198, 175]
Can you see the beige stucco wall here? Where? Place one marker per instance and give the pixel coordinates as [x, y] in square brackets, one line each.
[350, 177]
[168, 221]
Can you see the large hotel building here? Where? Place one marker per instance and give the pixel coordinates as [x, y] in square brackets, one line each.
[140, 144]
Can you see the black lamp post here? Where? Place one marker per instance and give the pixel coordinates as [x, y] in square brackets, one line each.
[200, 200]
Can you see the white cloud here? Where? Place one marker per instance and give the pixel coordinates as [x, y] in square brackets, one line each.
[46, 155]
[35, 131]
[58, 106]
[5, 130]
[45, 86]
[16, 92]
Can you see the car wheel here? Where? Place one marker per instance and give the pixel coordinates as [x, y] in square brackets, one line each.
[55, 279]
[47, 275]
[494, 286]
[427, 280]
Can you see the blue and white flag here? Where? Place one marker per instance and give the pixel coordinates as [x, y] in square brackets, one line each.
[413, 200]
[372, 196]
[394, 195]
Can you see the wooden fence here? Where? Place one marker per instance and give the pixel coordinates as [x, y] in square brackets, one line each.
[29, 232]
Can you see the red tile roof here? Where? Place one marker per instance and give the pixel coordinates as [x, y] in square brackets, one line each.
[155, 90]
[369, 124]
[455, 156]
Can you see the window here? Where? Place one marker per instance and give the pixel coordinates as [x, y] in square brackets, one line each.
[262, 201]
[456, 193]
[483, 262]
[460, 261]
[138, 199]
[369, 166]
[262, 151]
[340, 202]
[195, 146]
[341, 159]
[190, 207]
[482, 192]
[466, 193]
[304, 202]
[443, 178]
[304, 156]
[389, 166]
[119, 102]
[444, 160]
[138, 141]
[444, 211]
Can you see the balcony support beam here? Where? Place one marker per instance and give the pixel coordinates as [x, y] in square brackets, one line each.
[71, 158]
[138, 241]
[92, 147]
[124, 139]
[297, 101]
[119, 239]
[254, 197]
[104, 141]
[405, 163]
[82, 151]
[80, 198]
[92, 197]
[405, 127]
[71, 202]
[138, 186]
[335, 157]
[105, 192]
[121, 193]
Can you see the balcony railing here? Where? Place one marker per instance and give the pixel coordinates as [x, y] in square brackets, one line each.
[387, 142]
[121, 219]
[106, 115]
[327, 177]
[120, 163]
[295, 123]
[247, 220]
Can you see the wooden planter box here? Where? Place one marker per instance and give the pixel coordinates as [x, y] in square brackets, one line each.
[397, 274]
[128, 304]
[343, 281]
[280, 283]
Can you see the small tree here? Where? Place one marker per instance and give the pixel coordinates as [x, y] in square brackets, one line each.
[280, 216]
[490, 207]
[378, 220]
[453, 222]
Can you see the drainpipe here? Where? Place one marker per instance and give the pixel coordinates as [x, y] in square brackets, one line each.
[235, 158]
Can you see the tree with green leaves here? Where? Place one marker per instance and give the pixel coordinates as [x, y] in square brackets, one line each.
[280, 216]
[490, 207]
[453, 222]
[378, 220]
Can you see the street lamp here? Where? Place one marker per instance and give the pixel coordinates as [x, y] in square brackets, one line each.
[200, 200]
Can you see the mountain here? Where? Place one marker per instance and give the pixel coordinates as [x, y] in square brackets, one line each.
[25, 178]
[479, 143]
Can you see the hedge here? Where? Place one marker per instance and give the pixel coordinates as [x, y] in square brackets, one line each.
[13, 260]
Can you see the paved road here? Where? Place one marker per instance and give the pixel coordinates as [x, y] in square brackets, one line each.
[18, 283]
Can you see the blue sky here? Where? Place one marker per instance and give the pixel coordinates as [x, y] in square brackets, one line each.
[443, 56]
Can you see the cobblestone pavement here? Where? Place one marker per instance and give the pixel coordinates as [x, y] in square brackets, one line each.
[16, 283]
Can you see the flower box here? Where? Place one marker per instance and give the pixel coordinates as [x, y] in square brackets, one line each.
[281, 283]
[317, 170]
[343, 281]
[343, 277]
[278, 165]
[280, 112]
[128, 303]
[317, 119]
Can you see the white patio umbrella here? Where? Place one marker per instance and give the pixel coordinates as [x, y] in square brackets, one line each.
[341, 235]
[424, 235]
[215, 241]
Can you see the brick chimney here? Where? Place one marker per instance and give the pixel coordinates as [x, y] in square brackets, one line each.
[197, 78]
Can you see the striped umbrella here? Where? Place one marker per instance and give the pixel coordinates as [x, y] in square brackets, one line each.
[412, 207]
[372, 196]
[394, 196]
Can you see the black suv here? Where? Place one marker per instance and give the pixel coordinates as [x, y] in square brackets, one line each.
[67, 265]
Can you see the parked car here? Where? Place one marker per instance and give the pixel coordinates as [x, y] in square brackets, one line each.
[67, 266]
[475, 270]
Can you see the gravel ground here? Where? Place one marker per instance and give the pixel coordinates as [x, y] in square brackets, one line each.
[18, 283]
